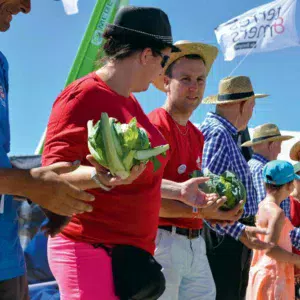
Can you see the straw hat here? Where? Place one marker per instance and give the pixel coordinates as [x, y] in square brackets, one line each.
[266, 133]
[207, 52]
[295, 152]
[233, 89]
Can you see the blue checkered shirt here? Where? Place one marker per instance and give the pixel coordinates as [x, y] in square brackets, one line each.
[221, 153]
[256, 164]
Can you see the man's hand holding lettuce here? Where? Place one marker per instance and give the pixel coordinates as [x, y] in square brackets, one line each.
[231, 193]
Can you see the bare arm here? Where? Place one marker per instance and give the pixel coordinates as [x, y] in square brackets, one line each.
[45, 187]
[170, 189]
[187, 192]
[274, 227]
[175, 209]
[15, 182]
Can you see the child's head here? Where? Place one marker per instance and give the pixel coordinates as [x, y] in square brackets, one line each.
[279, 176]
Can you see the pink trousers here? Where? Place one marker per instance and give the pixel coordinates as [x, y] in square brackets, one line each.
[81, 271]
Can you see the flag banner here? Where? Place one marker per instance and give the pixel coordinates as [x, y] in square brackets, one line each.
[265, 28]
[70, 6]
[92, 42]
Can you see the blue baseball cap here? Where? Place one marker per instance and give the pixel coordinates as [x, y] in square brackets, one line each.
[279, 172]
[297, 167]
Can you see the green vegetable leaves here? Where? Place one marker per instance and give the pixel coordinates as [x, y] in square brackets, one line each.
[226, 184]
[119, 147]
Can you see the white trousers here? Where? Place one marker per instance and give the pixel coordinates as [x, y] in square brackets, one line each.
[185, 266]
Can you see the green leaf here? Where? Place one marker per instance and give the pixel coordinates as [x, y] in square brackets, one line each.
[128, 160]
[96, 146]
[227, 185]
[156, 163]
[115, 164]
[121, 146]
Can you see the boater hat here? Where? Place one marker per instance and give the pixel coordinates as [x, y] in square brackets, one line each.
[207, 52]
[146, 26]
[233, 89]
[266, 133]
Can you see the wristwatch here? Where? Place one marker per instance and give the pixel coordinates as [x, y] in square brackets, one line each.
[95, 177]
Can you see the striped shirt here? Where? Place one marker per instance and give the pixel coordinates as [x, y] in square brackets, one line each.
[221, 153]
[256, 164]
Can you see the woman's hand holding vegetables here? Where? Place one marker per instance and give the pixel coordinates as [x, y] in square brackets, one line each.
[123, 149]
[110, 181]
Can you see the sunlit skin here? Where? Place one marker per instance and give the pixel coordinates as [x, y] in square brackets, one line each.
[246, 113]
[269, 150]
[238, 114]
[151, 69]
[186, 87]
[9, 8]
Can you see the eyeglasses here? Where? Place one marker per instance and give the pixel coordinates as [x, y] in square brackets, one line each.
[165, 58]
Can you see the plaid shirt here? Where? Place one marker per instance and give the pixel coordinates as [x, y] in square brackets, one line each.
[221, 153]
[256, 164]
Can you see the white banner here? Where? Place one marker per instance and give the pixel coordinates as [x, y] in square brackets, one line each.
[70, 6]
[265, 28]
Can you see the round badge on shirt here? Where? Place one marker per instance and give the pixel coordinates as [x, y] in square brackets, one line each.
[181, 169]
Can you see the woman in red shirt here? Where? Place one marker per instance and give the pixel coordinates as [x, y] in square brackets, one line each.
[137, 48]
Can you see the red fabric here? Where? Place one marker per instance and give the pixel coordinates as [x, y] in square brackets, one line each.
[184, 150]
[295, 216]
[295, 219]
[127, 214]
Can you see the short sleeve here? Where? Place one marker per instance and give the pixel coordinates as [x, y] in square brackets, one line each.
[66, 138]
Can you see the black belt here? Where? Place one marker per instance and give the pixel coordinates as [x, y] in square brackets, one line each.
[189, 233]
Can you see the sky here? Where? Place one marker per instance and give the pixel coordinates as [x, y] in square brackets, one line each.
[41, 48]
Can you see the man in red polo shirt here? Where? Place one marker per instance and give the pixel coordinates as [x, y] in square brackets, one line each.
[180, 248]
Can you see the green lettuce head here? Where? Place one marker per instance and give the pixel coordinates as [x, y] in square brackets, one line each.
[118, 147]
[226, 184]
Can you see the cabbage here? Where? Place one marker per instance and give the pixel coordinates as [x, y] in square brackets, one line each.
[118, 147]
[226, 184]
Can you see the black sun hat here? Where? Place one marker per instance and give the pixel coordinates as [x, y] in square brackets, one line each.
[144, 26]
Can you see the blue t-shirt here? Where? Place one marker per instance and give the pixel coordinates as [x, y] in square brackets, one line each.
[11, 254]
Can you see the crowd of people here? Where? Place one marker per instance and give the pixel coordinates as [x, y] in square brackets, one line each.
[154, 234]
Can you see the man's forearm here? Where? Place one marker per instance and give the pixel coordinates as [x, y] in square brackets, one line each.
[15, 182]
[175, 209]
[170, 189]
[20, 182]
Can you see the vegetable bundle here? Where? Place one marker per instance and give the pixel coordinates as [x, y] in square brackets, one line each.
[118, 147]
[226, 184]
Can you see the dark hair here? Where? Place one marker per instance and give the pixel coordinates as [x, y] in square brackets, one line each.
[188, 56]
[121, 46]
[275, 188]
